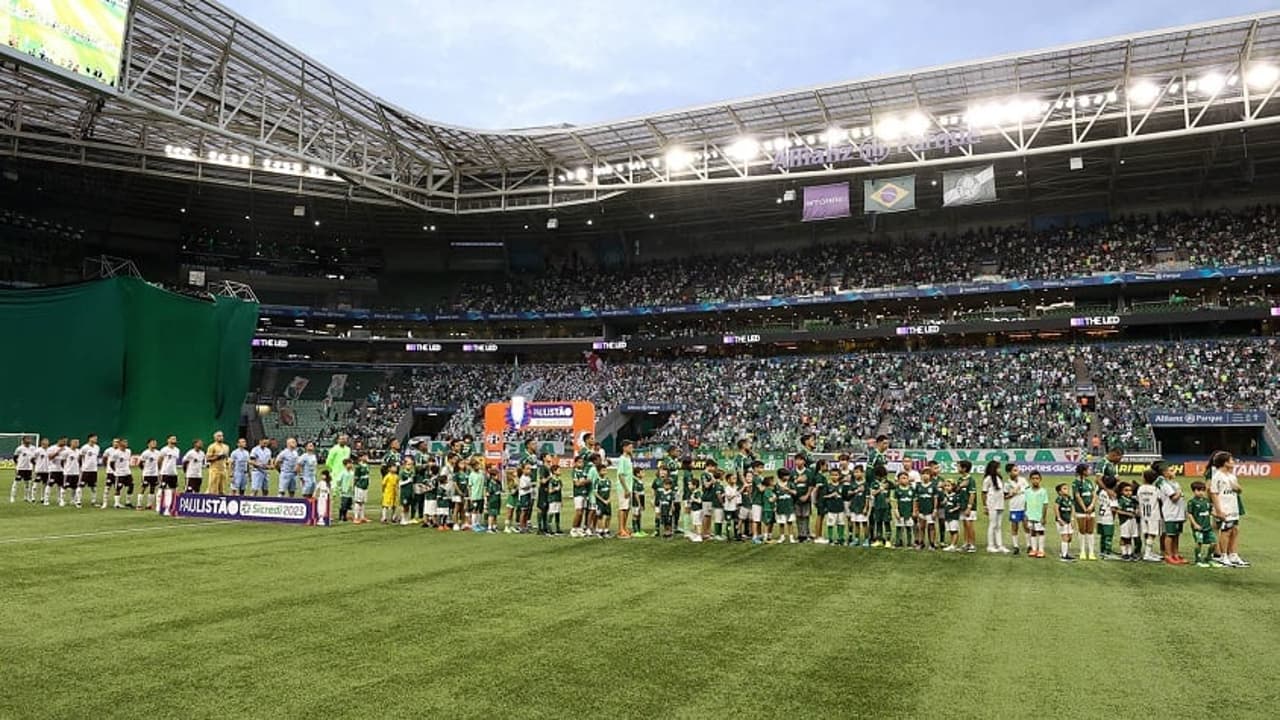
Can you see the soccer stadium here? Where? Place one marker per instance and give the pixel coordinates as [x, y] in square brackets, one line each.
[949, 392]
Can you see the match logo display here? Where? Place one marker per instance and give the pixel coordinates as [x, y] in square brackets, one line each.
[294, 511]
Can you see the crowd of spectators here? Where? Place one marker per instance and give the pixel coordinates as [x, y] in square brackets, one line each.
[998, 398]
[1126, 244]
[1134, 379]
[1012, 397]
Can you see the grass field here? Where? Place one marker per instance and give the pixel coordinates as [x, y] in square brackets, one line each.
[125, 614]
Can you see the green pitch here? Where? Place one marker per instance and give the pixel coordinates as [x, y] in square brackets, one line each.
[125, 614]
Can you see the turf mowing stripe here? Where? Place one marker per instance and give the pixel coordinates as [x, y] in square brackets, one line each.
[47, 538]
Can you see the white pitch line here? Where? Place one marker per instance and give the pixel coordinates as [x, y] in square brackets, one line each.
[46, 538]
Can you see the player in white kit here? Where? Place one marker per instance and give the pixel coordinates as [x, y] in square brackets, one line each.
[24, 460]
[89, 455]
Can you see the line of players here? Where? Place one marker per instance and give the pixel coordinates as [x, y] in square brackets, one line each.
[66, 473]
[847, 507]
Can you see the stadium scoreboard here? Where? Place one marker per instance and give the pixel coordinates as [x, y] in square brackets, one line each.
[81, 38]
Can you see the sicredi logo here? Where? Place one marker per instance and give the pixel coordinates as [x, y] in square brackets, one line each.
[1096, 321]
[920, 330]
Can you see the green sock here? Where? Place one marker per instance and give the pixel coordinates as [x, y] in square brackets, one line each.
[719, 529]
[840, 533]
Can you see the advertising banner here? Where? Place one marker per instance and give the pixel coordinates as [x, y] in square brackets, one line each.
[968, 187]
[1244, 469]
[1212, 418]
[292, 511]
[824, 202]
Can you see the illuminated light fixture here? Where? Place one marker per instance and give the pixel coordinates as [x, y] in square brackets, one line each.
[580, 174]
[317, 223]
[1143, 93]
[798, 142]
[1097, 99]
[781, 143]
[1175, 88]
[620, 168]
[1082, 101]
[809, 140]
[1059, 105]
[1211, 83]
[591, 222]
[1192, 85]
[1261, 76]
[833, 135]
[1018, 174]
[1233, 80]
[745, 149]
[651, 216]
[656, 162]
[678, 158]
[890, 128]
[916, 124]
[1112, 96]
[560, 178]
[983, 114]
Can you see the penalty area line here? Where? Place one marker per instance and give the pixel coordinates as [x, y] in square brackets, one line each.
[99, 533]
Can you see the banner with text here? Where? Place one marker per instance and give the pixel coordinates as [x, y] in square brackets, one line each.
[825, 202]
[890, 195]
[969, 187]
[1211, 418]
[293, 511]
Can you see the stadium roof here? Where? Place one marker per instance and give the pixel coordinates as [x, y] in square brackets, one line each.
[206, 95]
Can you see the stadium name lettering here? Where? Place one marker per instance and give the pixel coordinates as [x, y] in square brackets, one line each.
[422, 347]
[872, 152]
[1095, 321]
[609, 345]
[920, 330]
[741, 339]
[270, 342]
[479, 347]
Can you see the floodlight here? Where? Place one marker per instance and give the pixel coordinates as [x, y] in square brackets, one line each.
[889, 128]
[580, 174]
[745, 149]
[917, 123]
[1143, 93]
[1211, 83]
[1261, 76]
[678, 158]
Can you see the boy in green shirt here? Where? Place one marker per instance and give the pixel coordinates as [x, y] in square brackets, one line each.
[602, 505]
[880, 510]
[555, 493]
[665, 502]
[768, 511]
[1200, 514]
[1037, 499]
[951, 515]
[475, 494]
[1063, 505]
[904, 511]
[492, 499]
[786, 494]
[345, 483]
[362, 488]
[859, 508]
[926, 511]
[967, 489]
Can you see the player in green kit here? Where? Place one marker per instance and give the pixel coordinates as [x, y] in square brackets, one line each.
[671, 463]
[665, 501]
[904, 511]
[708, 489]
[581, 497]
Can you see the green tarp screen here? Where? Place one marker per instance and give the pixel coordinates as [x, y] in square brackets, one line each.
[123, 358]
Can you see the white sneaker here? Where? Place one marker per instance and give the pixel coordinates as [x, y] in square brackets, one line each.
[1238, 561]
[822, 541]
[695, 538]
[950, 548]
[1004, 550]
[793, 540]
[573, 532]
